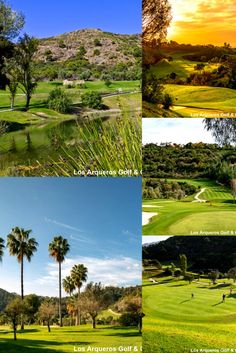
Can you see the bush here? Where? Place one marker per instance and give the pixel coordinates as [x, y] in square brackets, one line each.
[129, 319]
[59, 101]
[92, 100]
[167, 101]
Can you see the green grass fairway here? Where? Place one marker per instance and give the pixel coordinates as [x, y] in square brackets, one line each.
[36, 339]
[176, 323]
[185, 217]
[191, 101]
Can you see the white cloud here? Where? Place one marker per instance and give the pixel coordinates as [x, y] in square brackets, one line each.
[63, 225]
[171, 130]
[120, 271]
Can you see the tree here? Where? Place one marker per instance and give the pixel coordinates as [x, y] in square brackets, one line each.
[58, 249]
[233, 187]
[92, 100]
[213, 276]
[47, 312]
[232, 274]
[59, 101]
[22, 246]
[25, 51]
[167, 101]
[156, 19]
[31, 303]
[183, 264]
[93, 300]
[69, 287]
[222, 129]
[177, 274]
[189, 277]
[1, 248]
[152, 90]
[11, 22]
[11, 70]
[14, 311]
[79, 275]
[131, 306]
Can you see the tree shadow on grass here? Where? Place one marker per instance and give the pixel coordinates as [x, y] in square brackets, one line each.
[37, 346]
[179, 285]
[221, 285]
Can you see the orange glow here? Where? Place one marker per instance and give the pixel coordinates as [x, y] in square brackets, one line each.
[203, 22]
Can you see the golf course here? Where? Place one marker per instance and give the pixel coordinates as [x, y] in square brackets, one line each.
[31, 136]
[195, 214]
[36, 339]
[191, 100]
[176, 322]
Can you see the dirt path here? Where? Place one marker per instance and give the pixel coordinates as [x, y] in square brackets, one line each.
[113, 312]
[197, 199]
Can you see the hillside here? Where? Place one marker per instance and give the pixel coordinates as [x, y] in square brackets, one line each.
[89, 54]
[203, 253]
[5, 298]
[192, 160]
[113, 47]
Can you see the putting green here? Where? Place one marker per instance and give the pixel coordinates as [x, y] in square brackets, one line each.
[176, 323]
[184, 217]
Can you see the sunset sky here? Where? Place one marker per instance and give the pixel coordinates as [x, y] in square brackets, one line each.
[203, 22]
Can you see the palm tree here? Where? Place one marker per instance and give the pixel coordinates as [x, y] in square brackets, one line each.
[69, 287]
[58, 249]
[79, 275]
[21, 245]
[1, 248]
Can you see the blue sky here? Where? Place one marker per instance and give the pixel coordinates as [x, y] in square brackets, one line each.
[46, 18]
[100, 217]
[172, 130]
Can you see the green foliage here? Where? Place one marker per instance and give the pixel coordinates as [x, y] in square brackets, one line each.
[159, 189]
[96, 52]
[11, 22]
[167, 101]
[92, 100]
[97, 42]
[59, 101]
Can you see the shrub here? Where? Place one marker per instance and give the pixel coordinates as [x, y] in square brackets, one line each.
[59, 101]
[92, 100]
[96, 52]
[97, 42]
[167, 101]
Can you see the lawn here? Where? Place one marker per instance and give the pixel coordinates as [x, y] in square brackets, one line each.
[176, 323]
[185, 217]
[36, 339]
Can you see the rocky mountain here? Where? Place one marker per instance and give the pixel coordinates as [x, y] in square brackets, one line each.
[93, 44]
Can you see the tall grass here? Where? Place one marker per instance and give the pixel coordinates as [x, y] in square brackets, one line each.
[112, 148]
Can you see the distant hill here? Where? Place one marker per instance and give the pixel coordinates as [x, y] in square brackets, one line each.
[5, 298]
[113, 47]
[203, 253]
[92, 51]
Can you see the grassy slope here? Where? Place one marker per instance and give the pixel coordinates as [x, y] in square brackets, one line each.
[36, 339]
[191, 101]
[185, 217]
[176, 323]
